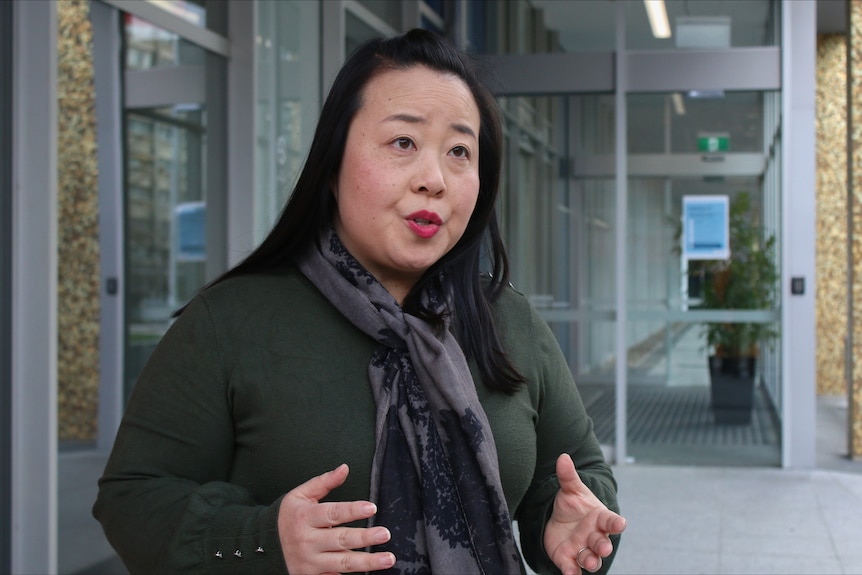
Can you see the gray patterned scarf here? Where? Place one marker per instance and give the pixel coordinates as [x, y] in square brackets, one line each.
[434, 476]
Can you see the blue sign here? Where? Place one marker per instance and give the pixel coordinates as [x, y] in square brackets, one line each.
[191, 232]
[706, 227]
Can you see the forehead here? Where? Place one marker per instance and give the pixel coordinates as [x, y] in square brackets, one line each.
[420, 90]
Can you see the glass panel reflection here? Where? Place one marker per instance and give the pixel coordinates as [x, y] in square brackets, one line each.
[149, 47]
[288, 96]
[165, 192]
[702, 25]
[691, 122]
[165, 223]
[541, 26]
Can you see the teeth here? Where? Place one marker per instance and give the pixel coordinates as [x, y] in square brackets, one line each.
[422, 222]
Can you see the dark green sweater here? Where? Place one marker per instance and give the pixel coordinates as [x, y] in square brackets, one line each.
[260, 385]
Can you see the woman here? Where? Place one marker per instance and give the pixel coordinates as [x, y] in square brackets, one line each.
[353, 396]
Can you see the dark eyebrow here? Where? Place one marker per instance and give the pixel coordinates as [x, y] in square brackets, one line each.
[410, 119]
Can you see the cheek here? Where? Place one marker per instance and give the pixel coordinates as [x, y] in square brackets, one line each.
[470, 198]
[354, 183]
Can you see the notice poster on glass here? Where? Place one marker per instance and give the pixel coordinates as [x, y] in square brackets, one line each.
[705, 227]
[191, 237]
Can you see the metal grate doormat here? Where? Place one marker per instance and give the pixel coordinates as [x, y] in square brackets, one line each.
[659, 415]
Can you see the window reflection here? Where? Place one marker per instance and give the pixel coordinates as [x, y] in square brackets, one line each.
[678, 123]
[288, 96]
[165, 223]
[149, 47]
[542, 26]
[705, 25]
[165, 196]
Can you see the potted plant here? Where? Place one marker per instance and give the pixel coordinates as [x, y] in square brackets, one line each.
[746, 280]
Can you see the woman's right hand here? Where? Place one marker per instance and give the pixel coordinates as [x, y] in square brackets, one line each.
[312, 535]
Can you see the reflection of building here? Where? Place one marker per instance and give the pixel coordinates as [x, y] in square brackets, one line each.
[216, 103]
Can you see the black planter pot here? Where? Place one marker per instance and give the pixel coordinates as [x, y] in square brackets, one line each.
[732, 389]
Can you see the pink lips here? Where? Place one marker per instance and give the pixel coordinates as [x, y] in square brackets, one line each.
[424, 223]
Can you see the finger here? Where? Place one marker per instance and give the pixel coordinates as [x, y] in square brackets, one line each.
[614, 523]
[599, 545]
[357, 561]
[339, 513]
[319, 487]
[354, 538]
[588, 560]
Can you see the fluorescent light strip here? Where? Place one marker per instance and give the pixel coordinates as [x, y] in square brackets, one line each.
[658, 21]
[678, 104]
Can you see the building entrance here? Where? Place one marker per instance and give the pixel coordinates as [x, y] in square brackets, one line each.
[600, 166]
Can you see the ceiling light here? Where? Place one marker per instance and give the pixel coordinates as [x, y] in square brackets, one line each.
[706, 94]
[658, 21]
[678, 104]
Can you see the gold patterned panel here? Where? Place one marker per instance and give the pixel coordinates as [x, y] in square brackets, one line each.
[855, 145]
[78, 252]
[831, 214]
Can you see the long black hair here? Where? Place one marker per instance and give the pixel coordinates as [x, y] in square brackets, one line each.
[312, 205]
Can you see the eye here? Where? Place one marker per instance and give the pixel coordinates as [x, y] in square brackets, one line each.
[403, 143]
[460, 152]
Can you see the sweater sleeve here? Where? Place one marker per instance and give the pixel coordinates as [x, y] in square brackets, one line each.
[562, 426]
[165, 501]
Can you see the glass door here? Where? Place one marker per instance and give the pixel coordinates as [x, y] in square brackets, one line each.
[687, 154]
[595, 238]
[167, 191]
[558, 229]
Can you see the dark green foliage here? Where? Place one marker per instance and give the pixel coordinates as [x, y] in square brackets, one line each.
[747, 280]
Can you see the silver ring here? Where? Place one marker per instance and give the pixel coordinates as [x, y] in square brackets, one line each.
[578, 557]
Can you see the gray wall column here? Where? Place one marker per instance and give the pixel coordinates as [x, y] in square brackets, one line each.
[34, 289]
[5, 284]
[798, 229]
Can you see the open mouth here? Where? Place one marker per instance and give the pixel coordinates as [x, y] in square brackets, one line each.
[425, 218]
[425, 224]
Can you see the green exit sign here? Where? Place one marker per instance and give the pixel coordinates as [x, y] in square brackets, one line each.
[713, 143]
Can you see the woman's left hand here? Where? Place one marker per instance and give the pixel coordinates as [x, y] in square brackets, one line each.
[577, 535]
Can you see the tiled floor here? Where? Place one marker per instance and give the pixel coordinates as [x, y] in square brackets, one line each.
[739, 520]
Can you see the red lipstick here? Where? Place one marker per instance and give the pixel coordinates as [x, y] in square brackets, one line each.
[424, 223]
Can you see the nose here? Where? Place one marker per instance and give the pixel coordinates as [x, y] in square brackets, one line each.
[429, 177]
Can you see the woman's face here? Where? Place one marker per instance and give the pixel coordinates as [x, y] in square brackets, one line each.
[409, 177]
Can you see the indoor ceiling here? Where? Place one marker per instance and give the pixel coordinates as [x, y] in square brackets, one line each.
[588, 25]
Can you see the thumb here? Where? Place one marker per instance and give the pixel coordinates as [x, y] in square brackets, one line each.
[319, 487]
[566, 473]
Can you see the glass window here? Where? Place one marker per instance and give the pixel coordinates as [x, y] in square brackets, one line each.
[165, 222]
[357, 31]
[166, 194]
[288, 96]
[540, 26]
[701, 25]
[193, 11]
[386, 10]
[148, 47]
[693, 122]
[536, 26]
[438, 7]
